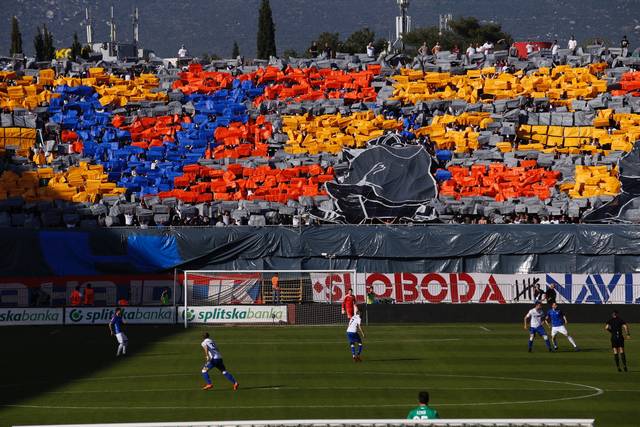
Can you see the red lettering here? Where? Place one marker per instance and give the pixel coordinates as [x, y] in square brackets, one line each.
[492, 292]
[471, 287]
[409, 288]
[379, 279]
[397, 282]
[439, 280]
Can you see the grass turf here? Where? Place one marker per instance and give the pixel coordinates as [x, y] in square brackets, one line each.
[71, 375]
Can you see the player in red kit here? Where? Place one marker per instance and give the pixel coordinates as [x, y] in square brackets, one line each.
[349, 304]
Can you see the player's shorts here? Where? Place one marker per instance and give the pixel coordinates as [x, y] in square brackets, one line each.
[121, 337]
[559, 330]
[354, 337]
[617, 342]
[537, 330]
[215, 363]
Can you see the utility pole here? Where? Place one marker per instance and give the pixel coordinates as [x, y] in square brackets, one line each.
[403, 24]
[136, 31]
[443, 24]
[112, 34]
[88, 26]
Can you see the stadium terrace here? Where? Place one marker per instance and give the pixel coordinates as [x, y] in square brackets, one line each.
[447, 138]
[442, 203]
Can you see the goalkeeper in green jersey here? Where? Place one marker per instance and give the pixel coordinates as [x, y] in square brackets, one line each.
[423, 412]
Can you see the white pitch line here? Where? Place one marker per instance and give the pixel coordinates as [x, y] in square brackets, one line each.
[594, 391]
[294, 342]
[485, 329]
[266, 387]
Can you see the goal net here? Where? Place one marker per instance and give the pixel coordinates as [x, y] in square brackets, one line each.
[268, 296]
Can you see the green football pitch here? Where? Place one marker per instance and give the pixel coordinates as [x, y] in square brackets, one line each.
[71, 375]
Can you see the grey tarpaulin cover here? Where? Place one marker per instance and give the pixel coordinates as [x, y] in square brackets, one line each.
[629, 167]
[384, 181]
[489, 248]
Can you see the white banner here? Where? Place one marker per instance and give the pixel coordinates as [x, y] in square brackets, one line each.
[456, 288]
[133, 315]
[30, 316]
[235, 314]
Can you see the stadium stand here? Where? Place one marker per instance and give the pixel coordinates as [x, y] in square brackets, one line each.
[510, 141]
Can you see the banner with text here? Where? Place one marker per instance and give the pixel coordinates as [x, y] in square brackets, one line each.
[133, 315]
[235, 314]
[30, 316]
[457, 288]
[108, 290]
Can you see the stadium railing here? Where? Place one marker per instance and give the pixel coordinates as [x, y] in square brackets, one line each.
[468, 422]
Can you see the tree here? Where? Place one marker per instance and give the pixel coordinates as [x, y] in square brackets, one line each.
[43, 44]
[208, 57]
[358, 41]
[330, 39]
[49, 48]
[38, 45]
[464, 31]
[266, 38]
[76, 48]
[290, 53]
[235, 52]
[16, 37]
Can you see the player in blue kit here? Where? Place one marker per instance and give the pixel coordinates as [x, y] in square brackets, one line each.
[355, 338]
[214, 360]
[536, 317]
[558, 326]
[116, 328]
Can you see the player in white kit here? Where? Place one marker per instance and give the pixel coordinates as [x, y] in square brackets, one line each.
[214, 360]
[354, 337]
[536, 317]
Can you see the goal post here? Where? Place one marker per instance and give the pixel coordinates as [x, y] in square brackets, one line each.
[268, 296]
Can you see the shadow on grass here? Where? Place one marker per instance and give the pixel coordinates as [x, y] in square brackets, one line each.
[405, 359]
[40, 359]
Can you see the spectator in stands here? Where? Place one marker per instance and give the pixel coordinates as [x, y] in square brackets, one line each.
[470, 52]
[328, 52]
[76, 297]
[529, 48]
[313, 50]
[275, 288]
[487, 47]
[572, 45]
[456, 51]
[89, 295]
[554, 50]
[436, 49]
[479, 49]
[182, 52]
[624, 45]
[123, 302]
[371, 51]
[423, 50]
